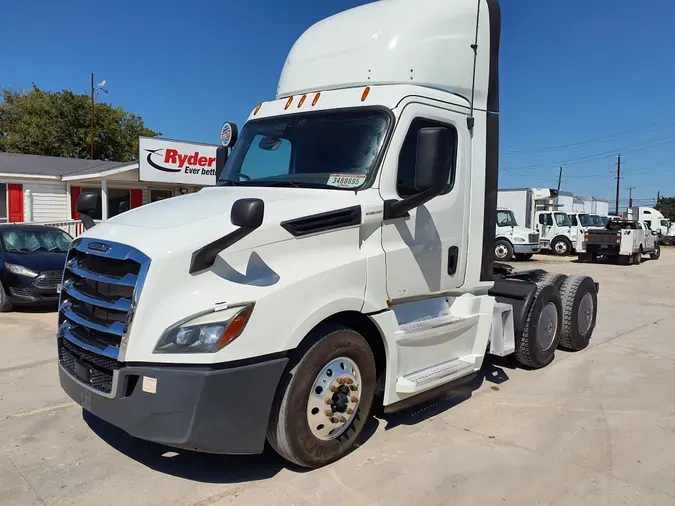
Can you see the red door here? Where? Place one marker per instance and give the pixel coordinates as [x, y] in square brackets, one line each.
[136, 198]
[74, 193]
[15, 203]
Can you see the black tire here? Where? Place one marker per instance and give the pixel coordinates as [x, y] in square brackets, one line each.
[551, 278]
[561, 246]
[523, 257]
[288, 431]
[5, 304]
[638, 257]
[668, 240]
[503, 250]
[529, 350]
[657, 252]
[578, 320]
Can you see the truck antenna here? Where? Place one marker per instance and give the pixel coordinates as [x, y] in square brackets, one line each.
[474, 46]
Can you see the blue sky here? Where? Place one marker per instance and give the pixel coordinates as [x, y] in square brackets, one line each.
[595, 77]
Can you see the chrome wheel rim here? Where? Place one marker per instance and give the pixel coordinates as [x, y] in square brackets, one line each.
[561, 247]
[585, 315]
[334, 399]
[501, 251]
[547, 326]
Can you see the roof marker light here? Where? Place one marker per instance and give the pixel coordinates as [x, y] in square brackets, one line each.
[365, 94]
[302, 101]
[255, 111]
[316, 99]
[288, 103]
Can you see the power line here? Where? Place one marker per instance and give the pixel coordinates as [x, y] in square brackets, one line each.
[598, 140]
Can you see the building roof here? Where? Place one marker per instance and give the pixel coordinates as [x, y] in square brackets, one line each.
[54, 167]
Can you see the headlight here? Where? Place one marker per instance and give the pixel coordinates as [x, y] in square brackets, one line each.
[21, 270]
[206, 333]
[518, 239]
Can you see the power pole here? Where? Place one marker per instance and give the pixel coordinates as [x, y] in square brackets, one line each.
[92, 115]
[630, 195]
[618, 180]
[559, 178]
[658, 196]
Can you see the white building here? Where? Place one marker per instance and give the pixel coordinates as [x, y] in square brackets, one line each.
[44, 189]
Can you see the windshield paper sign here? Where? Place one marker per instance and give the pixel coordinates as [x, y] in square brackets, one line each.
[166, 161]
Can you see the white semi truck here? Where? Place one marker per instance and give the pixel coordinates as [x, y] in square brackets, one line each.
[344, 259]
[655, 220]
[539, 209]
[512, 240]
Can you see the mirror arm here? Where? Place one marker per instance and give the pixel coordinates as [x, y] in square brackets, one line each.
[399, 208]
[87, 221]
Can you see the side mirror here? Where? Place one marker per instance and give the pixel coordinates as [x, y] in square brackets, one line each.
[432, 170]
[86, 205]
[248, 213]
[433, 162]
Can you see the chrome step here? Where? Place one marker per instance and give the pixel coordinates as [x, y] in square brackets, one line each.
[416, 381]
[429, 324]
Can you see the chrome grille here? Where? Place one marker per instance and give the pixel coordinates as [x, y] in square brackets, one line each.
[100, 290]
[533, 238]
[100, 370]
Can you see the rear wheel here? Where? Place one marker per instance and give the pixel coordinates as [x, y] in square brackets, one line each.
[325, 401]
[503, 250]
[580, 308]
[523, 256]
[638, 257]
[561, 246]
[536, 345]
[5, 304]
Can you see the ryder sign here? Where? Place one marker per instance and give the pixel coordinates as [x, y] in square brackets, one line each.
[167, 161]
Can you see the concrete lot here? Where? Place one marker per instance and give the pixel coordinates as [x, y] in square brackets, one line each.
[595, 427]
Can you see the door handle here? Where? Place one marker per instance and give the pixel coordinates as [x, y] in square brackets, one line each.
[453, 257]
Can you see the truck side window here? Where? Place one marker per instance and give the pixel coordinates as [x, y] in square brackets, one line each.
[549, 220]
[574, 220]
[541, 219]
[405, 179]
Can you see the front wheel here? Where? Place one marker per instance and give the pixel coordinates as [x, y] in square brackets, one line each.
[561, 246]
[503, 251]
[656, 254]
[325, 400]
[5, 304]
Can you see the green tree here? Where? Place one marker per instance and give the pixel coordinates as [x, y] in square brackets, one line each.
[667, 206]
[48, 123]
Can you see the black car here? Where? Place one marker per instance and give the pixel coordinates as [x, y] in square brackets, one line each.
[32, 258]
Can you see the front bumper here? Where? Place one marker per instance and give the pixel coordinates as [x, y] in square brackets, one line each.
[195, 408]
[521, 249]
[31, 294]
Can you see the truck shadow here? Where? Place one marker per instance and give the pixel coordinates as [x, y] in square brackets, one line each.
[492, 372]
[195, 466]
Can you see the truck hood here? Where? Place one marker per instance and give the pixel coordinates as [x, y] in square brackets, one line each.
[191, 221]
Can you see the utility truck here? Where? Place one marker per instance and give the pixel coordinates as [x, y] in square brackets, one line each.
[625, 241]
[513, 240]
[539, 209]
[345, 258]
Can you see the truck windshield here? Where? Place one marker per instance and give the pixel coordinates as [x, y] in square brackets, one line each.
[665, 223]
[506, 219]
[585, 220]
[562, 220]
[323, 149]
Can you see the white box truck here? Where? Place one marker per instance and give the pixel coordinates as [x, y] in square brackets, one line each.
[354, 266]
[655, 220]
[539, 209]
[512, 240]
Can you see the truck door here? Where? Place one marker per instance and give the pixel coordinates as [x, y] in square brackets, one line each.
[426, 251]
[545, 225]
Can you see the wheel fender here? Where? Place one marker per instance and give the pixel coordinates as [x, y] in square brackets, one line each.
[319, 315]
